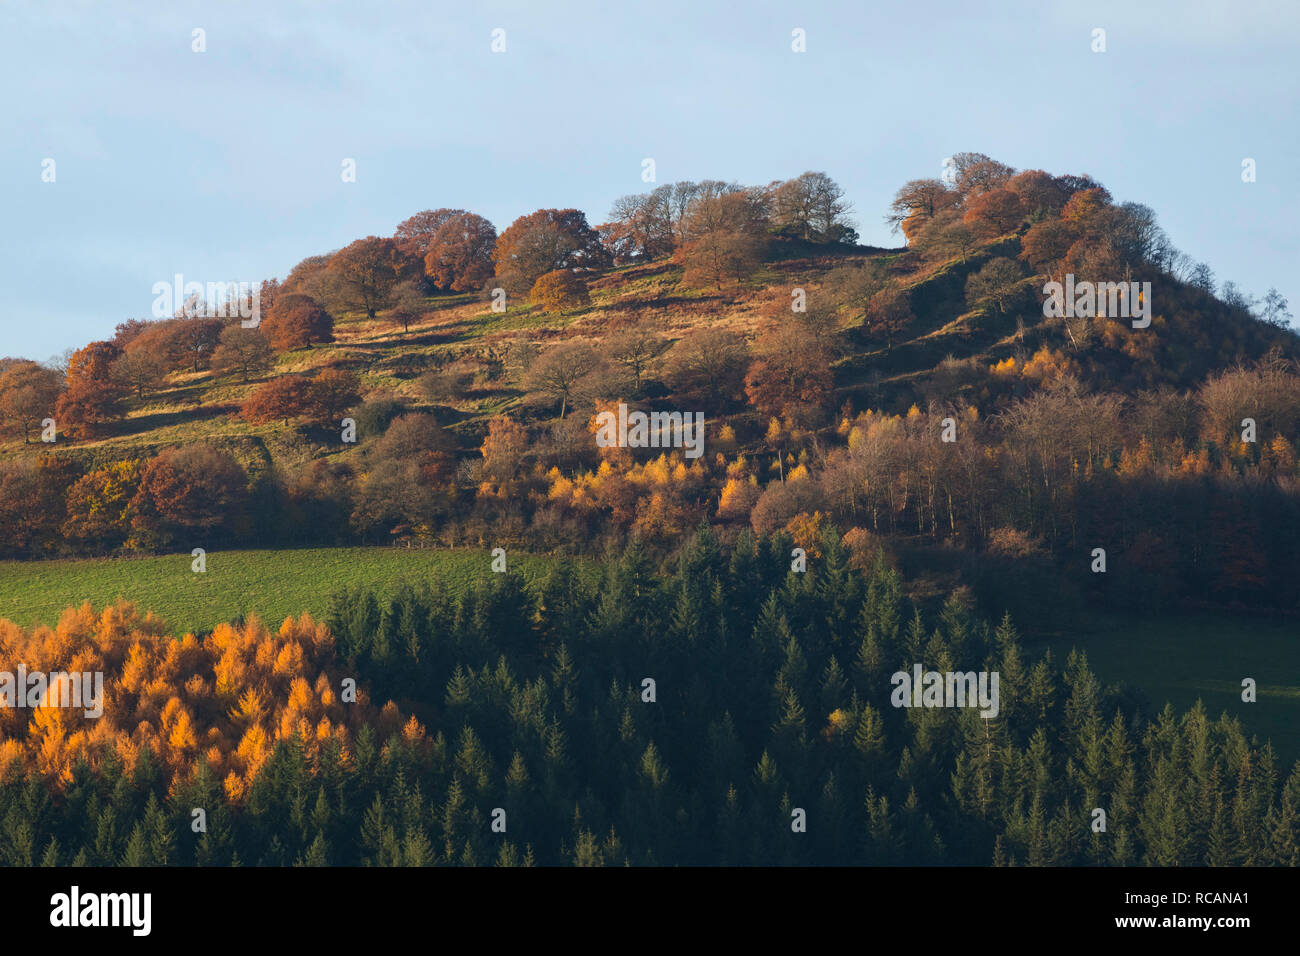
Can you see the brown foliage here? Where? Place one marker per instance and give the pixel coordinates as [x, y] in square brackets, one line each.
[546, 241]
[414, 235]
[791, 378]
[368, 269]
[558, 291]
[297, 320]
[917, 202]
[725, 239]
[458, 257]
[281, 399]
[1046, 243]
[92, 399]
[503, 448]
[707, 367]
[194, 490]
[28, 393]
[242, 350]
[994, 213]
[331, 393]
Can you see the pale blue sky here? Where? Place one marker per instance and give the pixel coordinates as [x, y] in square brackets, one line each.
[225, 165]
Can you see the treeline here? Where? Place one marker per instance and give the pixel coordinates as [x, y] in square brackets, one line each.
[635, 716]
[1192, 495]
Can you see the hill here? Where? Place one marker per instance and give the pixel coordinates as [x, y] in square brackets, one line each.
[438, 388]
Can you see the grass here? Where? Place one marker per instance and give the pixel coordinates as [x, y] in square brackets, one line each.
[274, 584]
[1182, 659]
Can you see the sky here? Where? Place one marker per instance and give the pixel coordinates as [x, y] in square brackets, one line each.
[226, 164]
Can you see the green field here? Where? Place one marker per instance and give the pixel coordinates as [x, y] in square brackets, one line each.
[274, 584]
[1181, 659]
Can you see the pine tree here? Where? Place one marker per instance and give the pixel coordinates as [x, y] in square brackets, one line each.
[317, 854]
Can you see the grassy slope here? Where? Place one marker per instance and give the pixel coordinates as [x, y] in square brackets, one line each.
[272, 584]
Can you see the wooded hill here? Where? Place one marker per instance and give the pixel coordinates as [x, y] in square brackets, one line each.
[473, 364]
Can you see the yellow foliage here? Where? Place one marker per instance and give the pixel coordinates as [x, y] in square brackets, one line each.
[806, 531]
[159, 694]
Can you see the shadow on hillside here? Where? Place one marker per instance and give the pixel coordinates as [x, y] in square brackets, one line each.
[180, 416]
[698, 303]
[440, 337]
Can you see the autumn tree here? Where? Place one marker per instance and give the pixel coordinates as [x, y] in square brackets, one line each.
[1046, 243]
[31, 506]
[368, 269]
[995, 283]
[556, 374]
[313, 278]
[178, 343]
[458, 257]
[413, 235]
[196, 338]
[889, 313]
[640, 226]
[330, 393]
[707, 367]
[28, 393]
[725, 238]
[242, 350]
[917, 202]
[138, 370]
[124, 333]
[92, 399]
[1041, 194]
[162, 340]
[404, 487]
[283, 398]
[994, 212]
[546, 241]
[790, 377]
[559, 290]
[975, 173]
[1087, 211]
[503, 448]
[634, 350]
[193, 490]
[813, 208]
[295, 321]
[98, 505]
